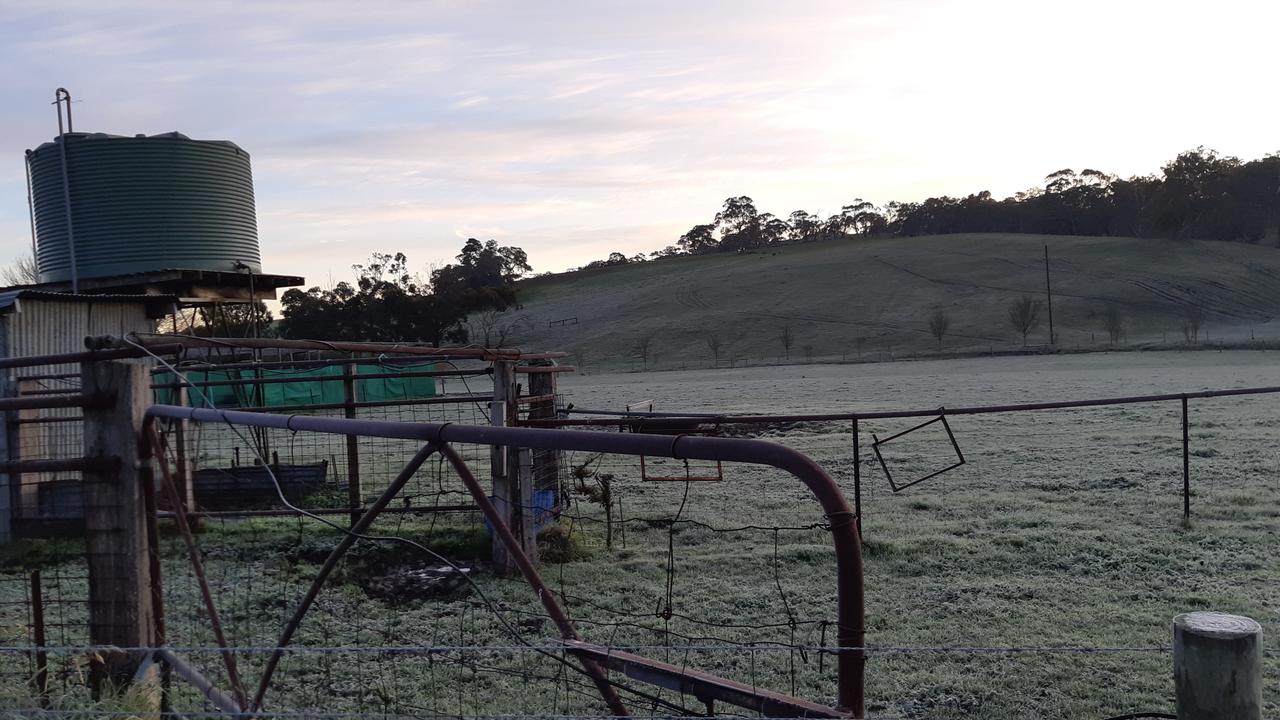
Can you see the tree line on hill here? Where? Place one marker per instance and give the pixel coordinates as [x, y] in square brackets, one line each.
[390, 303]
[1200, 194]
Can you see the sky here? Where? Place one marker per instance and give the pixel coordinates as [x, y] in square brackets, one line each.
[576, 129]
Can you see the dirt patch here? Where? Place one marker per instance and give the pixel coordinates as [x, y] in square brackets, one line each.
[409, 584]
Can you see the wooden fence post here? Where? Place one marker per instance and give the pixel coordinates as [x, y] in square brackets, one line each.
[525, 529]
[185, 469]
[546, 463]
[505, 472]
[120, 608]
[1217, 666]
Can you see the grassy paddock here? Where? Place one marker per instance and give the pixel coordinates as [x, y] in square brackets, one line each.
[1063, 529]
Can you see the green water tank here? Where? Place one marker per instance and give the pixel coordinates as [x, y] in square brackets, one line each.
[140, 204]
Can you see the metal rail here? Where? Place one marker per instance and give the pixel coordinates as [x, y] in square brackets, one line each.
[184, 670]
[422, 510]
[83, 357]
[87, 464]
[441, 400]
[303, 364]
[105, 342]
[707, 688]
[44, 402]
[318, 378]
[643, 417]
[849, 567]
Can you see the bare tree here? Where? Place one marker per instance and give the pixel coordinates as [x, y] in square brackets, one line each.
[939, 323]
[23, 271]
[715, 345]
[1192, 318]
[642, 348]
[1113, 323]
[492, 328]
[1024, 316]
[787, 338]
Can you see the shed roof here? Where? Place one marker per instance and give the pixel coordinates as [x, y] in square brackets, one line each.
[154, 303]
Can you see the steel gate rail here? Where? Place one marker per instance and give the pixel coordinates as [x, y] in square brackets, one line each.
[850, 665]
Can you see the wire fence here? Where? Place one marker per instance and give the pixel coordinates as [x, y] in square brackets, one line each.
[981, 577]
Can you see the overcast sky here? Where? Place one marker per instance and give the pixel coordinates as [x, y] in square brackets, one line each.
[574, 129]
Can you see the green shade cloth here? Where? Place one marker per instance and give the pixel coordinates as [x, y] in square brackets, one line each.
[312, 387]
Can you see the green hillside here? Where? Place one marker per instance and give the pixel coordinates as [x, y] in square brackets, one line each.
[870, 298]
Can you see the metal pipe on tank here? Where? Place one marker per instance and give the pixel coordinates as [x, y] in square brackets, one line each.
[31, 213]
[58, 96]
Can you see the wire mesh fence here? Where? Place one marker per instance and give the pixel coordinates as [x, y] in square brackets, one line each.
[40, 609]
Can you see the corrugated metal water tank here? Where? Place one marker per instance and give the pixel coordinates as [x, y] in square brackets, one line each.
[144, 203]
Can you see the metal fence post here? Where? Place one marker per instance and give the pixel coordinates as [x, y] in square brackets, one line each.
[120, 607]
[1217, 666]
[355, 499]
[41, 679]
[857, 476]
[1186, 462]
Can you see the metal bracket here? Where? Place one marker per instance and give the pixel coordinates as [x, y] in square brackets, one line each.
[942, 418]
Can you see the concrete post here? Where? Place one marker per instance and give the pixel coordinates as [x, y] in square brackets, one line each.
[1217, 666]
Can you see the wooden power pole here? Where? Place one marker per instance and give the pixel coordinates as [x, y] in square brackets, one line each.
[1048, 291]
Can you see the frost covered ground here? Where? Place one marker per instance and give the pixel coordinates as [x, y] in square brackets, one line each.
[1063, 530]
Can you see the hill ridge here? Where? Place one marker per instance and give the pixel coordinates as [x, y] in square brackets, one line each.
[841, 297]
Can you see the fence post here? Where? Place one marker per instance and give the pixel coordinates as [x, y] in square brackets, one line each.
[546, 463]
[1186, 462]
[355, 496]
[41, 679]
[9, 481]
[857, 476]
[120, 608]
[1217, 666]
[185, 473]
[526, 529]
[505, 494]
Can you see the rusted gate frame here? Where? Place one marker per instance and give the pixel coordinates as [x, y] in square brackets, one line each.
[186, 671]
[706, 688]
[849, 570]
[155, 445]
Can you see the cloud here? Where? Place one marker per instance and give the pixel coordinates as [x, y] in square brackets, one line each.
[574, 129]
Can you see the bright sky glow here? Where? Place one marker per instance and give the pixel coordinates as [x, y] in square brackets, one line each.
[574, 129]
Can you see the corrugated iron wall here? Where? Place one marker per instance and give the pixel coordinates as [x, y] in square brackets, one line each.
[45, 327]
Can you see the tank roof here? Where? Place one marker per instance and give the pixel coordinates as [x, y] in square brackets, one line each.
[172, 135]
